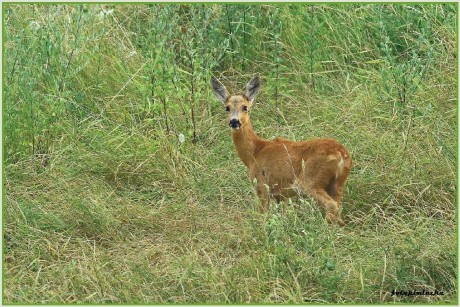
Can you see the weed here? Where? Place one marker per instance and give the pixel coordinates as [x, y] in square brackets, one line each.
[122, 184]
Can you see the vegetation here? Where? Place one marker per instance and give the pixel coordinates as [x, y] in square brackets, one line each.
[121, 183]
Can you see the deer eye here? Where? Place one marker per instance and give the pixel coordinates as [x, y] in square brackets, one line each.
[245, 108]
[227, 108]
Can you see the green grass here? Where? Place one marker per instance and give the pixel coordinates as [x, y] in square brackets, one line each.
[102, 204]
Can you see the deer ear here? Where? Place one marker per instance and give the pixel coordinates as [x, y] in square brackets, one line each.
[219, 89]
[252, 89]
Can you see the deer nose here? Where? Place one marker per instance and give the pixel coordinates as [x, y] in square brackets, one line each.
[234, 123]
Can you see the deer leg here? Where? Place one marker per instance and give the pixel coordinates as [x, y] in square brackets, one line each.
[335, 191]
[262, 193]
[261, 189]
[338, 196]
[329, 204]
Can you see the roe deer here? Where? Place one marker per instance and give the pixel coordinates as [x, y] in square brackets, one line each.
[284, 168]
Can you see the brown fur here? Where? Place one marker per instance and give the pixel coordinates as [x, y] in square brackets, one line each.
[283, 168]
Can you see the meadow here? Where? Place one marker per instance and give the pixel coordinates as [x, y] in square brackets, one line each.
[121, 183]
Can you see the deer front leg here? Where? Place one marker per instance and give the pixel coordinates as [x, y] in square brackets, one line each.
[264, 198]
[262, 189]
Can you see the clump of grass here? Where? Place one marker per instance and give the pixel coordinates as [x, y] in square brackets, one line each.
[122, 184]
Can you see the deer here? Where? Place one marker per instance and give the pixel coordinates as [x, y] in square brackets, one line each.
[281, 168]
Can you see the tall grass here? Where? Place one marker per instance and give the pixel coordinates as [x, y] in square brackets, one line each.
[104, 202]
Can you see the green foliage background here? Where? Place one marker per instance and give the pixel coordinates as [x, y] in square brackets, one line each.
[102, 203]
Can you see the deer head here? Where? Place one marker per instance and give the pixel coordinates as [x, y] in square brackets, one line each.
[237, 106]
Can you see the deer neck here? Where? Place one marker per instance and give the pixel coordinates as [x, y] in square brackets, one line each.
[247, 143]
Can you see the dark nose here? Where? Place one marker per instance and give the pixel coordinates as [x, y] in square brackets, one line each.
[234, 123]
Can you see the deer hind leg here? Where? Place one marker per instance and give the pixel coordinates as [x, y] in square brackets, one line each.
[335, 187]
[329, 204]
[335, 191]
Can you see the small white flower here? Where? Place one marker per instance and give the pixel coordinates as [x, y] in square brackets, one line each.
[132, 53]
[181, 138]
[104, 13]
[34, 25]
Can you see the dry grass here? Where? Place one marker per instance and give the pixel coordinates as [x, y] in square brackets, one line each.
[103, 205]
